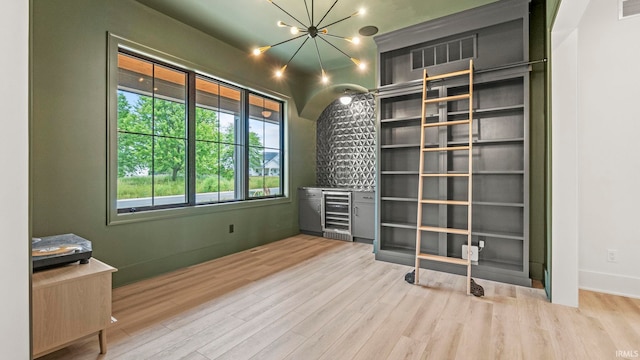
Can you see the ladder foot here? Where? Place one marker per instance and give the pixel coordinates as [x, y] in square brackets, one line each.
[410, 277]
[476, 289]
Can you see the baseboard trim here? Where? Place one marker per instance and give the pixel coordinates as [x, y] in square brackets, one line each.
[609, 283]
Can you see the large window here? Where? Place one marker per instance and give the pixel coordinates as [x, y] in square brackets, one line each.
[184, 139]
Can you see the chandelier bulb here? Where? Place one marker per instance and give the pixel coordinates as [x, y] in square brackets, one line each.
[294, 30]
[359, 63]
[260, 50]
[281, 71]
[353, 40]
[325, 78]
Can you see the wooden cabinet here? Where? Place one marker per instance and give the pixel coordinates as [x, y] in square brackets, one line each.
[70, 303]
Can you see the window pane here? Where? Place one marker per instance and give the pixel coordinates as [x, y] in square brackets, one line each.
[272, 172]
[467, 48]
[228, 156]
[238, 134]
[230, 100]
[228, 128]
[132, 117]
[416, 57]
[169, 118]
[256, 132]
[441, 54]
[135, 75]
[256, 172]
[169, 171]
[272, 135]
[429, 56]
[207, 124]
[134, 171]
[207, 172]
[169, 83]
[454, 50]
[217, 115]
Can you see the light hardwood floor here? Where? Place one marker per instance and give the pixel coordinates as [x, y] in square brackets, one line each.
[313, 298]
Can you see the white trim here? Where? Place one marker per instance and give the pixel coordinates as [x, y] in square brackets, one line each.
[15, 257]
[613, 284]
[565, 182]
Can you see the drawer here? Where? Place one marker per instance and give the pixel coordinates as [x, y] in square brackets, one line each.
[364, 196]
[310, 193]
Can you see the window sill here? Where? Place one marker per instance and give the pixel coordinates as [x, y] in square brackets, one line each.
[129, 218]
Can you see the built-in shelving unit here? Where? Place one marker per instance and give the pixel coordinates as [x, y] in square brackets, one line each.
[500, 124]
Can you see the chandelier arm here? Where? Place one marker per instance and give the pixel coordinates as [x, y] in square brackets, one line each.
[336, 36]
[296, 53]
[286, 41]
[308, 14]
[339, 21]
[286, 12]
[327, 13]
[335, 47]
[318, 52]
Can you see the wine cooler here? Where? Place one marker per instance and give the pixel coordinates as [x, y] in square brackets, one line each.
[336, 215]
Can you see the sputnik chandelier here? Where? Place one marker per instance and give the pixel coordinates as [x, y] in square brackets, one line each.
[314, 31]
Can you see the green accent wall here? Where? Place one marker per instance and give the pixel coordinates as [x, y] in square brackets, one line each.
[69, 139]
[550, 14]
[537, 121]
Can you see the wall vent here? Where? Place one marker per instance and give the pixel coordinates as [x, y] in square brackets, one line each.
[628, 8]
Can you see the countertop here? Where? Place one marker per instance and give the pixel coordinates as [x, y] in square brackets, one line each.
[324, 188]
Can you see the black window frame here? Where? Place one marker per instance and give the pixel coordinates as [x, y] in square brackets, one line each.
[242, 170]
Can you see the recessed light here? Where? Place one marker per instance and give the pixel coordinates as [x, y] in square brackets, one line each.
[368, 30]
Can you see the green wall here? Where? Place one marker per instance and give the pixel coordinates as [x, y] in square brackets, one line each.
[537, 121]
[550, 14]
[68, 139]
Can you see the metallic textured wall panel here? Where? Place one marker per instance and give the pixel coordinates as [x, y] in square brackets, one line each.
[346, 139]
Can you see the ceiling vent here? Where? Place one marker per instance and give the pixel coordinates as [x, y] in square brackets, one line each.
[628, 8]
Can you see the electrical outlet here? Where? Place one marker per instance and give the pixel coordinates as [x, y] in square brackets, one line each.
[230, 228]
[474, 252]
[612, 255]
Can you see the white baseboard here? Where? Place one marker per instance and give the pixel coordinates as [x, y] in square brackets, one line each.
[609, 283]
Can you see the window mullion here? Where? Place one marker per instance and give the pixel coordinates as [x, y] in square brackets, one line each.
[243, 140]
[191, 138]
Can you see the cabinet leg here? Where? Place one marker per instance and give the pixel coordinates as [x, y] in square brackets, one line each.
[102, 335]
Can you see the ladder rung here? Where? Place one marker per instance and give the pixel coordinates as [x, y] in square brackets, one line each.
[443, 76]
[442, 175]
[446, 123]
[447, 98]
[445, 202]
[445, 230]
[446, 259]
[449, 148]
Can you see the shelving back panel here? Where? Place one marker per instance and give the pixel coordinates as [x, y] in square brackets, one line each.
[493, 35]
[397, 66]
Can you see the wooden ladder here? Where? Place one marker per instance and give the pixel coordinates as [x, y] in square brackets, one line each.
[469, 148]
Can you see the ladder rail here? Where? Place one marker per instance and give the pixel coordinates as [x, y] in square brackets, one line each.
[421, 170]
[423, 126]
[470, 179]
